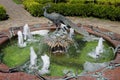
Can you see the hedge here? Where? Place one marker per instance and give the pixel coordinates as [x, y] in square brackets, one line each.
[86, 10]
[3, 14]
[109, 2]
[103, 2]
[43, 1]
[33, 7]
[107, 12]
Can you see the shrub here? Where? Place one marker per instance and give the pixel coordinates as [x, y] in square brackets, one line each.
[33, 7]
[3, 14]
[116, 13]
[43, 1]
[106, 12]
[58, 1]
[76, 1]
[100, 11]
[71, 9]
[109, 2]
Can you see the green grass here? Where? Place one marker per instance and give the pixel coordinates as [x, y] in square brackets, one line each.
[18, 1]
[109, 1]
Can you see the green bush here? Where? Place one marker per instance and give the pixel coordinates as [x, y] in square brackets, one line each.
[106, 12]
[43, 1]
[101, 2]
[59, 1]
[76, 1]
[109, 2]
[86, 10]
[82, 1]
[33, 7]
[99, 11]
[3, 14]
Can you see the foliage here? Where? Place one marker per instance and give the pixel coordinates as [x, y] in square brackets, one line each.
[3, 14]
[58, 1]
[109, 2]
[85, 10]
[106, 12]
[33, 7]
[103, 2]
[43, 1]
[76, 1]
[81, 1]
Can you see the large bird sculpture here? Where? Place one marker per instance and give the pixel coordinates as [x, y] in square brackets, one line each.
[54, 17]
[57, 19]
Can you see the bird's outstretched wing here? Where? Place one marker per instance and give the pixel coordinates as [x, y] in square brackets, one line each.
[68, 22]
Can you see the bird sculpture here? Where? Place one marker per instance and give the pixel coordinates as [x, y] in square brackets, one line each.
[57, 19]
[54, 17]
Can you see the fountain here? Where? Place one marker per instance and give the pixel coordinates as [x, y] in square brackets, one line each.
[40, 32]
[26, 33]
[20, 39]
[98, 50]
[46, 64]
[71, 32]
[59, 40]
[90, 67]
[60, 51]
[33, 58]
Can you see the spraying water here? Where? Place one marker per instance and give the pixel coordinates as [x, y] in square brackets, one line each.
[71, 32]
[90, 66]
[26, 32]
[20, 39]
[98, 50]
[40, 32]
[46, 64]
[33, 58]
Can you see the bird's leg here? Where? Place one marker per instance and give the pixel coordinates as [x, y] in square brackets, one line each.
[57, 27]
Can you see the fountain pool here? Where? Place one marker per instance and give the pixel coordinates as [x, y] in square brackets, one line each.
[60, 64]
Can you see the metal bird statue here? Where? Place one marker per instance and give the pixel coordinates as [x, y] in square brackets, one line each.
[57, 19]
[54, 17]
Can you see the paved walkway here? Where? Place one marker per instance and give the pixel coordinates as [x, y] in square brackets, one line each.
[19, 17]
